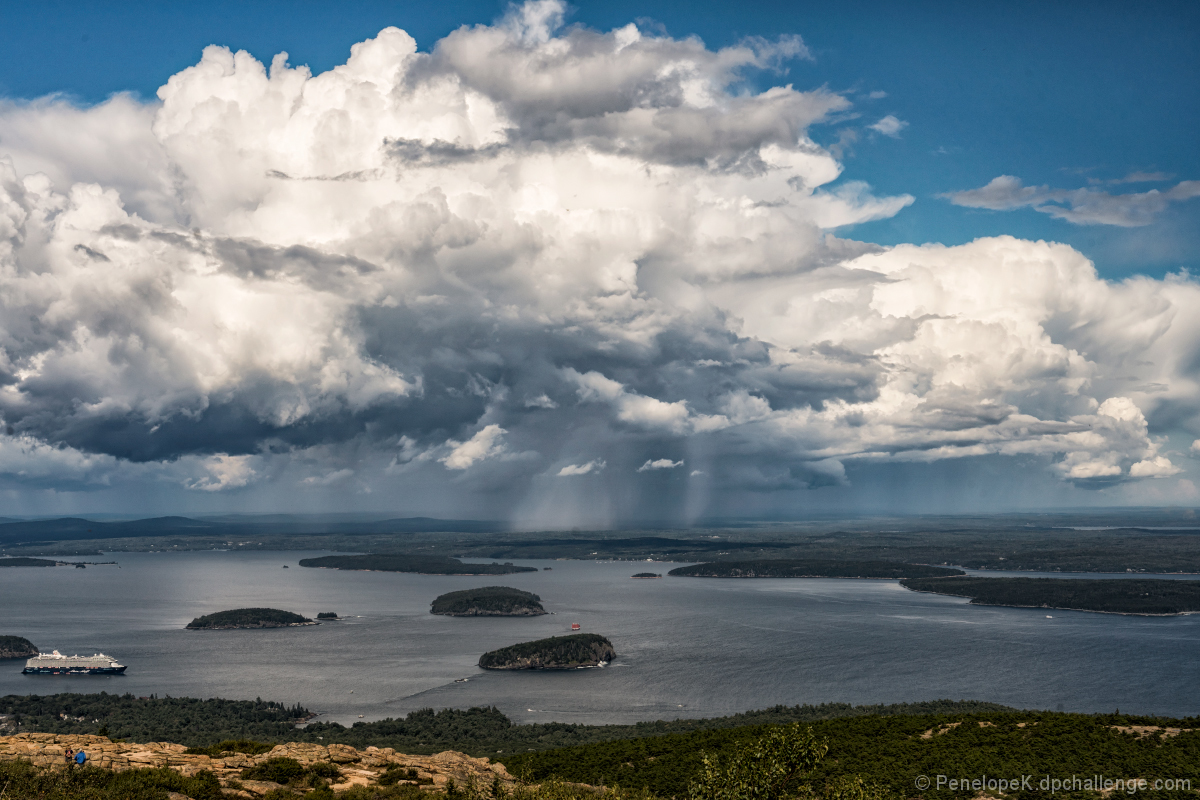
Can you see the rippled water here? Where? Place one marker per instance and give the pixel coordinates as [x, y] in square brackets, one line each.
[687, 647]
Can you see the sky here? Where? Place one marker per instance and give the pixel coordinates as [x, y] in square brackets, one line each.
[601, 263]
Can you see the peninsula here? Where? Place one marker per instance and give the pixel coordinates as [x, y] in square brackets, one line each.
[488, 601]
[558, 652]
[248, 618]
[19, 561]
[421, 564]
[16, 647]
[812, 568]
[1115, 596]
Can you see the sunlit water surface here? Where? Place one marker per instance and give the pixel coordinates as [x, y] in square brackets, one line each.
[688, 647]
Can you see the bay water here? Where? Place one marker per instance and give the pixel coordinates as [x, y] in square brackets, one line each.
[687, 647]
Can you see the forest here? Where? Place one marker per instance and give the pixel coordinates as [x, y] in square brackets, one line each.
[797, 568]
[893, 751]
[248, 618]
[883, 750]
[557, 652]
[422, 564]
[19, 561]
[184, 720]
[475, 731]
[1119, 596]
[488, 601]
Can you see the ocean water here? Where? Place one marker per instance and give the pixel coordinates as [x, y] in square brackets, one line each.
[687, 647]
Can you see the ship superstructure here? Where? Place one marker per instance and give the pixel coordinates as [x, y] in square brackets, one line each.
[57, 664]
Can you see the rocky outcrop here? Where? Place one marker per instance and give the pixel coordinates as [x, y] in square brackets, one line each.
[358, 767]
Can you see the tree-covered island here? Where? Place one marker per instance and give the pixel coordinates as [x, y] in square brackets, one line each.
[558, 652]
[16, 647]
[421, 564]
[1116, 596]
[248, 618]
[812, 568]
[488, 601]
[20, 561]
[647, 575]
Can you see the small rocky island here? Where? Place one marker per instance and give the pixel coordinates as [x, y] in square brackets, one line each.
[420, 564]
[558, 652]
[16, 647]
[327, 615]
[488, 601]
[647, 575]
[813, 568]
[248, 618]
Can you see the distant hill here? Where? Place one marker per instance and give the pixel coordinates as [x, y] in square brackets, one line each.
[806, 568]
[77, 528]
[425, 565]
[1117, 596]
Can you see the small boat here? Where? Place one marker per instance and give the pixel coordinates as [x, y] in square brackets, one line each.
[461, 680]
[574, 626]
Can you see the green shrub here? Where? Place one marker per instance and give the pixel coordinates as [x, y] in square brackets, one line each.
[767, 768]
[247, 746]
[323, 769]
[21, 781]
[279, 770]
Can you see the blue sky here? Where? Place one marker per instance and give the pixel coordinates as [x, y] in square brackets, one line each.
[598, 263]
[1055, 94]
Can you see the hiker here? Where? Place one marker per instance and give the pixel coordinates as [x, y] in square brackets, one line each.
[80, 758]
[69, 755]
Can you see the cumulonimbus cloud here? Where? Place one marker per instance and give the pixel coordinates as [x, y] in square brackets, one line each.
[530, 242]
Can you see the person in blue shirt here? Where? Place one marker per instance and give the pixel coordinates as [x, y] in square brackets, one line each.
[80, 758]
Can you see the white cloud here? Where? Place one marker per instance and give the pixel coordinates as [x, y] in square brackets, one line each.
[595, 465]
[224, 472]
[483, 445]
[1080, 206]
[889, 126]
[329, 478]
[660, 463]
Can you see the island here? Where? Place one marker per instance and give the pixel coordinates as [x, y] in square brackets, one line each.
[489, 601]
[558, 652]
[327, 615]
[812, 568]
[21, 561]
[1155, 597]
[421, 564]
[647, 575]
[16, 647]
[248, 618]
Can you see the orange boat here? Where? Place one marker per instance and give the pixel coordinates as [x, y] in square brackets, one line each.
[574, 626]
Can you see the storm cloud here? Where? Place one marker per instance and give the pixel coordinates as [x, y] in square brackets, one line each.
[532, 264]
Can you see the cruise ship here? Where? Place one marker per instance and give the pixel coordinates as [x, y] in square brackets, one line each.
[57, 664]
